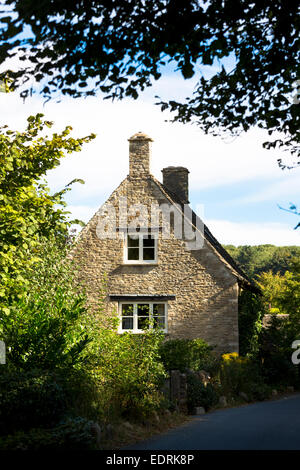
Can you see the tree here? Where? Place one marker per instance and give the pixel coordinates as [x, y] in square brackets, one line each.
[275, 341]
[29, 214]
[272, 287]
[283, 292]
[120, 47]
[258, 259]
[48, 325]
[251, 312]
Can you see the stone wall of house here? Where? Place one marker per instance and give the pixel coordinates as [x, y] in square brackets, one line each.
[206, 291]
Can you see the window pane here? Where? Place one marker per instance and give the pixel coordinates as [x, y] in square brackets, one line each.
[127, 323]
[148, 241]
[159, 322]
[143, 310]
[133, 253]
[148, 254]
[133, 241]
[158, 309]
[127, 310]
[143, 323]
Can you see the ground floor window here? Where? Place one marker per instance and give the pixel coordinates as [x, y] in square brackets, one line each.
[138, 316]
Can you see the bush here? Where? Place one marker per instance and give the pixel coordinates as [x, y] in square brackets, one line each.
[46, 325]
[131, 373]
[182, 354]
[61, 360]
[72, 434]
[258, 391]
[240, 374]
[30, 399]
[275, 353]
[200, 395]
[50, 328]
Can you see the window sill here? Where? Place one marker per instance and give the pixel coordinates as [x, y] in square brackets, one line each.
[139, 263]
[139, 332]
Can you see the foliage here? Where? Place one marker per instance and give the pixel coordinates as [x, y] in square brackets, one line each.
[71, 434]
[93, 371]
[46, 335]
[182, 354]
[240, 374]
[251, 311]
[250, 49]
[42, 399]
[199, 394]
[62, 364]
[45, 327]
[280, 295]
[262, 258]
[272, 287]
[49, 338]
[32, 398]
[283, 292]
[275, 351]
[280, 287]
[28, 213]
[130, 371]
[80, 368]
[50, 328]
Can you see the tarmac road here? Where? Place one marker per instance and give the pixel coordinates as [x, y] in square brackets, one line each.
[270, 425]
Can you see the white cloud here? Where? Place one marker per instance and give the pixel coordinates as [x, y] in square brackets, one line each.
[244, 233]
[284, 186]
[84, 213]
[212, 161]
[104, 162]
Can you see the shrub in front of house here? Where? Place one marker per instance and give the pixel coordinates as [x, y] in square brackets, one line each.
[199, 394]
[29, 399]
[32, 399]
[50, 409]
[130, 373]
[183, 354]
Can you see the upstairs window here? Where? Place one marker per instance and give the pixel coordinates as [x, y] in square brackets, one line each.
[140, 248]
[139, 316]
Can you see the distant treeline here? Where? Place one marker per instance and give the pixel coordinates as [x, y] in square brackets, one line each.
[257, 259]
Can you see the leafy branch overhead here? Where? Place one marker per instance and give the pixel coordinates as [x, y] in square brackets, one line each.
[119, 48]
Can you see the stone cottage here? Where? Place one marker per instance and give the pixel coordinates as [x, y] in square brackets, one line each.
[162, 264]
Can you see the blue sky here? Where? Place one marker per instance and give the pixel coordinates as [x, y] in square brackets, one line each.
[235, 183]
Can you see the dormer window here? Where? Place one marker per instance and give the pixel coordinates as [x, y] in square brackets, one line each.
[140, 248]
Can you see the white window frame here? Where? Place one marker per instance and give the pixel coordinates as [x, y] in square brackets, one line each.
[140, 260]
[135, 315]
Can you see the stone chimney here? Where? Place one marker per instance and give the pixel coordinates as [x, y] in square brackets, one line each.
[139, 155]
[176, 179]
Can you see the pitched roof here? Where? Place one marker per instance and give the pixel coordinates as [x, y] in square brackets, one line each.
[243, 279]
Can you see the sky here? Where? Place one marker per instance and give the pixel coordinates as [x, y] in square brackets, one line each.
[235, 184]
